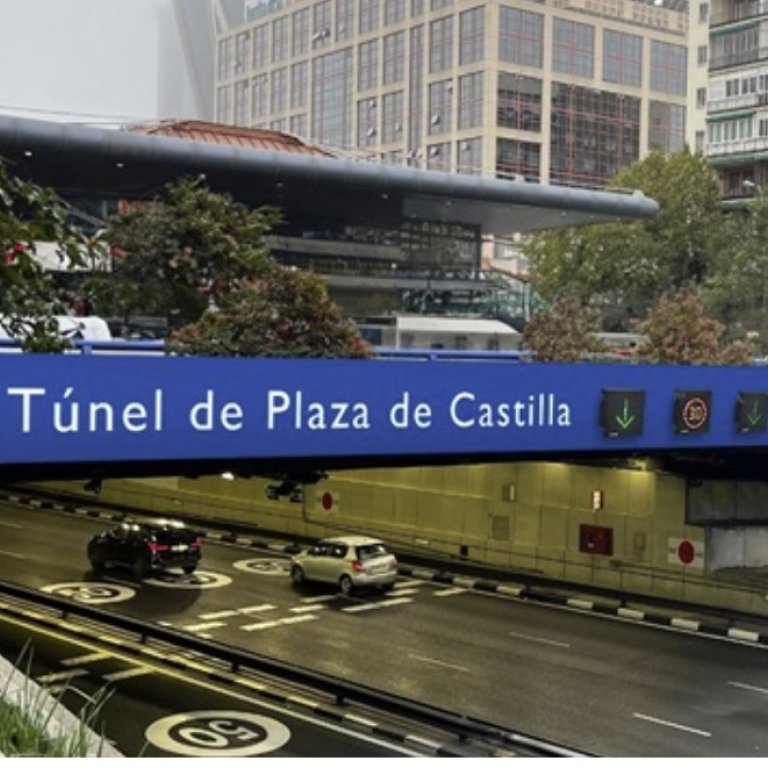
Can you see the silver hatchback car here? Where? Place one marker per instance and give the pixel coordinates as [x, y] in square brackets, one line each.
[351, 562]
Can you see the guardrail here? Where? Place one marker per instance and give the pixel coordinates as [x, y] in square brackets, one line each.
[342, 691]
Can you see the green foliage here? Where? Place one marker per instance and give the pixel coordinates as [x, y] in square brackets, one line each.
[283, 313]
[623, 268]
[174, 256]
[26, 720]
[29, 299]
[564, 333]
[679, 331]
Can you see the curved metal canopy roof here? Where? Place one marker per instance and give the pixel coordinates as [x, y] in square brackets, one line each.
[86, 162]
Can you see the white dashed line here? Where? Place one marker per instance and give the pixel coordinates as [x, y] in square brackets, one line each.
[747, 687]
[85, 659]
[376, 606]
[217, 615]
[55, 677]
[124, 674]
[14, 555]
[534, 639]
[308, 608]
[437, 662]
[449, 592]
[203, 627]
[9, 525]
[256, 608]
[318, 599]
[279, 622]
[669, 724]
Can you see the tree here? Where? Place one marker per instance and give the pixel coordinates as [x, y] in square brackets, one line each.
[29, 298]
[736, 291]
[564, 333]
[282, 313]
[623, 268]
[176, 255]
[679, 331]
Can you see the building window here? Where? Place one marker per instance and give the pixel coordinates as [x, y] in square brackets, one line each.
[332, 104]
[666, 126]
[278, 90]
[469, 156]
[321, 24]
[299, 84]
[440, 107]
[280, 31]
[368, 65]
[700, 138]
[701, 97]
[392, 117]
[518, 102]
[439, 157]
[472, 36]
[367, 117]
[622, 58]
[261, 46]
[241, 102]
[224, 104]
[225, 59]
[470, 106]
[300, 32]
[593, 134]
[521, 37]
[668, 68]
[298, 125]
[417, 8]
[573, 48]
[518, 158]
[259, 96]
[242, 52]
[394, 12]
[345, 19]
[436, 5]
[702, 54]
[394, 58]
[369, 16]
[703, 12]
[441, 44]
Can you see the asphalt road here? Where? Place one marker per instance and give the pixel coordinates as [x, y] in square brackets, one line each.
[597, 684]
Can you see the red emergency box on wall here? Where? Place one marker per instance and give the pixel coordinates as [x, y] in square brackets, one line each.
[596, 539]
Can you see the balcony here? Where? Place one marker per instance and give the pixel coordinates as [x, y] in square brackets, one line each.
[739, 58]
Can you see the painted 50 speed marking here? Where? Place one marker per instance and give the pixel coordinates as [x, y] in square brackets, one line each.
[217, 733]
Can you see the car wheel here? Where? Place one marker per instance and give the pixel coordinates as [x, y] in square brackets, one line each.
[141, 567]
[96, 566]
[297, 575]
[189, 569]
[387, 587]
[346, 586]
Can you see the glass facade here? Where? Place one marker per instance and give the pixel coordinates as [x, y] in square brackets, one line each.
[573, 48]
[518, 158]
[666, 126]
[521, 37]
[394, 58]
[332, 103]
[593, 134]
[470, 106]
[669, 66]
[472, 36]
[440, 107]
[441, 44]
[518, 102]
[622, 58]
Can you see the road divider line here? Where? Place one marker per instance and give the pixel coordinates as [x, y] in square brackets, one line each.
[748, 687]
[670, 724]
[438, 663]
[543, 640]
[125, 674]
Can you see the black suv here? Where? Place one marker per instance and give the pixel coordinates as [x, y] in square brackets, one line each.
[146, 547]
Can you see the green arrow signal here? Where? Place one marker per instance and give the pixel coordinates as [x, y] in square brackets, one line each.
[755, 415]
[626, 419]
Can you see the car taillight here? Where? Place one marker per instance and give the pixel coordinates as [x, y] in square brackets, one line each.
[198, 542]
[357, 566]
[155, 547]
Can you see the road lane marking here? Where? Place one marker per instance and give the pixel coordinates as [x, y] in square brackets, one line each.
[308, 608]
[66, 675]
[217, 615]
[86, 658]
[748, 687]
[670, 724]
[437, 662]
[277, 623]
[256, 608]
[544, 640]
[376, 606]
[10, 525]
[449, 592]
[204, 627]
[124, 674]
[318, 599]
[399, 592]
[12, 554]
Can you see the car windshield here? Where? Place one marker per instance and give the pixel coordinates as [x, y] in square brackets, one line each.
[368, 551]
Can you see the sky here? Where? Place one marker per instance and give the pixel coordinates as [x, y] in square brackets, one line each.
[94, 58]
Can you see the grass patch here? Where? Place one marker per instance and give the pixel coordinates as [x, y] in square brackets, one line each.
[28, 724]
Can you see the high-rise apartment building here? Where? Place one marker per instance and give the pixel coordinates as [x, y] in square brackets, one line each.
[560, 91]
[737, 100]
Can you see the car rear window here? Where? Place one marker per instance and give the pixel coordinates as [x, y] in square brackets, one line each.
[367, 551]
[172, 535]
